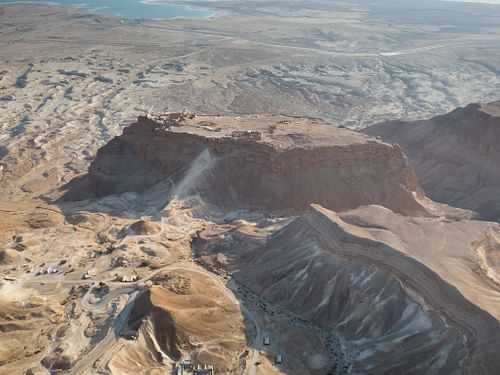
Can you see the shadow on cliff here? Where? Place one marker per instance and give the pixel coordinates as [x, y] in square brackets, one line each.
[78, 189]
[136, 191]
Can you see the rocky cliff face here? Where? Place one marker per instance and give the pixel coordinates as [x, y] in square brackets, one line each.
[283, 164]
[456, 156]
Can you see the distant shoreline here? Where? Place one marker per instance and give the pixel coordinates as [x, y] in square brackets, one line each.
[131, 9]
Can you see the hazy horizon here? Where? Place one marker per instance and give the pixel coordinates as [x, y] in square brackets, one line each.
[496, 2]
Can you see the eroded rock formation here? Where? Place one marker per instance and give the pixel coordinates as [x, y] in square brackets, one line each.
[456, 156]
[297, 161]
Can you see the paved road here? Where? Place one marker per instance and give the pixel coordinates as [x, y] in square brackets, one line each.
[259, 336]
[319, 50]
[87, 306]
[116, 328]
[109, 340]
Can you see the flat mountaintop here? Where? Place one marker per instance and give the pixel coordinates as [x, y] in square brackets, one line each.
[280, 131]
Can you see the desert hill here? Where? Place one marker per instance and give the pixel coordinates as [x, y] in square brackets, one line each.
[456, 156]
[408, 295]
[25, 216]
[180, 311]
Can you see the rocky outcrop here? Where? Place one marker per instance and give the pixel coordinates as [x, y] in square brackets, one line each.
[143, 227]
[282, 165]
[456, 156]
[26, 216]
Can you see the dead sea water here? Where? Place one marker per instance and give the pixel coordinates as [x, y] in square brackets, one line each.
[133, 9]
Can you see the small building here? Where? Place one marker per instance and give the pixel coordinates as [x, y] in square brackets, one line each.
[129, 278]
[89, 274]
[188, 367]
[248, 134]
[203, 370]
[187, 364]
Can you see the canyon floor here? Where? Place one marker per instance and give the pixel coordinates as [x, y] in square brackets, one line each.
[199, 237]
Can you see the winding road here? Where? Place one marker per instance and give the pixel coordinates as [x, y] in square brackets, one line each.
[109, 340]
[119, 324]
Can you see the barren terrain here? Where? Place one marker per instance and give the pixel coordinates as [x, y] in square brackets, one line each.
[246, 226]
[70, 80]
[462, 146]
[173, 259]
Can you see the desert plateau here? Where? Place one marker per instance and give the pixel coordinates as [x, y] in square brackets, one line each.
[249, 187]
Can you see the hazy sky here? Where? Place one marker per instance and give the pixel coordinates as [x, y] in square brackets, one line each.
[478, 1]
